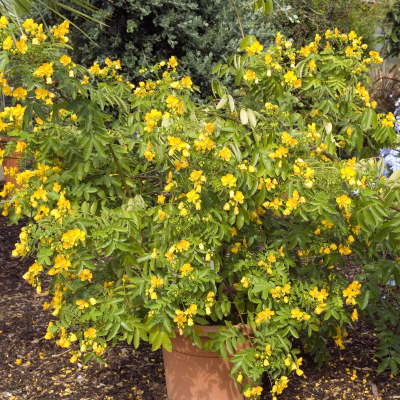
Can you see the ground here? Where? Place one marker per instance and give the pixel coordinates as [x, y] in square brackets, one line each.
[45, 373]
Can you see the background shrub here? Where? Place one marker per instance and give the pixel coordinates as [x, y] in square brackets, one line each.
[319, 15]
[199, 33]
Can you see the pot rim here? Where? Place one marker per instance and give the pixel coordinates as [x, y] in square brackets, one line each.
[203, 330]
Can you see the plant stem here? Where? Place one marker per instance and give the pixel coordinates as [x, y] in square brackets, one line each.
[238, 17]
[240, 314]
[121, 174]
[383, 200]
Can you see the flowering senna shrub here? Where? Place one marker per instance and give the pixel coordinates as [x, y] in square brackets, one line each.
[152, 215]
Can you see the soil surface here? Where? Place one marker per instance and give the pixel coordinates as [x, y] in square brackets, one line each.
[45, 373]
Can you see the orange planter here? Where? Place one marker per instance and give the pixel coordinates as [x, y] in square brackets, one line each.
[10, 161]
[195, 374]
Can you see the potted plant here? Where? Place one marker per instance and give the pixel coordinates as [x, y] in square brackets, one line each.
[224, 223]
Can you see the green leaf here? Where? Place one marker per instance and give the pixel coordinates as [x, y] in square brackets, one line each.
[393, 366]
[114, 331]
[247, 42]
[240, 219]
[364, 300]
[222, 102]
[38, 110]
[99, 359]
[166, 341]
[87, 358]
[383, 365]
[368, 119]
[4, 61]
[244, 117]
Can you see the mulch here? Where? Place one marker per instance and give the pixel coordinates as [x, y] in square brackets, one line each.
[45, 372]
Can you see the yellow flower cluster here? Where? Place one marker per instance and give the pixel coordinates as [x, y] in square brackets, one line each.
[292, 80]
[60, 31]
[264, 316]
[32, 273]
[185, 316]
[255, 48]
[280, 385]
[352, 292]
[295, 366]
[155, 283]
[209, 303]
[339, 338]
[13, 116]
[320, 297]
[72, 238]
[299, 315]
[186, 269]
[60, 263]
[253, 393]
[388, 120]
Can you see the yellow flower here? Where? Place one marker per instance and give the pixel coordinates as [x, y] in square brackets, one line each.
[8, 42]
[20, 93]
[44, 70]
[264, 315]
[249, 76]
[255, 48]
[161, 214]
[173, 62]
[90, 333]
[180, 318]
[238, 197]
[161, 199]
[21, 146]
[65, 60]
[41, 94]
[225, 154]
[343, 201]
[351, 292]
[187, 82]
[228, 180]
[186, 270]
[192, 196]
[183, 245]
[85, 79]
[72, 238]
[354, 315]
[56, 187]
[85, 275]
[297, 314]
[3, 22]
[290, 77]
[82, 304]
[22, 46]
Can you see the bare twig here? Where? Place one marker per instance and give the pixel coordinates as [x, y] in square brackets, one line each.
[238, 17]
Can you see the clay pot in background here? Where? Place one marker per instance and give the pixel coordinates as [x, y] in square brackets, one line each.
[195, 374]
[10, 161]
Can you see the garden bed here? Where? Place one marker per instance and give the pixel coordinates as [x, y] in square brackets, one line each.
[45, 372]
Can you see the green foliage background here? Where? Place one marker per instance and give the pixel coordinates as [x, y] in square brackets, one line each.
[315, 16]
[200, 33]
[391, 30]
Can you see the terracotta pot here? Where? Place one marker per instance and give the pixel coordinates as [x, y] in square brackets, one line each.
[10, 161]
[193, 374]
